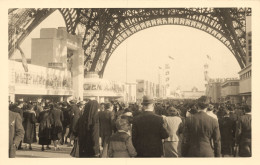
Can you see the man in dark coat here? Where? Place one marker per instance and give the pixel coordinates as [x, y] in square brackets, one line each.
[200, 129]
[75, 114]
[243, 133]
[106, 121]
[227, 127]
[148, 131]
[18, 109]
[65, 122]
[16, 132]
[57, 128]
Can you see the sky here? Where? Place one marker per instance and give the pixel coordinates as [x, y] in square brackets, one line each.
[148, 49]
[139, 56]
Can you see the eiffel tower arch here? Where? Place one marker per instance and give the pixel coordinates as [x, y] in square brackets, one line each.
[106, 28]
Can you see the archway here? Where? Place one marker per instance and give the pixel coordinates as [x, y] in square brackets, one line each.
[146, 56]
[106, 28]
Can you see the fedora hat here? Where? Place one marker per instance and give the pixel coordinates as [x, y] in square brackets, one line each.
[81, 103]
[73, 101]
[147, 100]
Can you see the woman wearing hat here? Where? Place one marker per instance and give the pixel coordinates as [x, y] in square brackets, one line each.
[174, 126]
[45, 120]
[29, 126]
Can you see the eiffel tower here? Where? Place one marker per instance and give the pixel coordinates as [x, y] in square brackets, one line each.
[104, 29]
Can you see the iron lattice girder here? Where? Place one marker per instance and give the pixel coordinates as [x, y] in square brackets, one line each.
[21, 23]
[131, 21]
[105, 29]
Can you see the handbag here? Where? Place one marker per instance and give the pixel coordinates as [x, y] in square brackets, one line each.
[75, 150]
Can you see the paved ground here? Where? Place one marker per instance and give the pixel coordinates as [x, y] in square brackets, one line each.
[36, 152]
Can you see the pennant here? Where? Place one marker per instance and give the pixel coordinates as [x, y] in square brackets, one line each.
[170, 57]
[208, 57]
[206, 66]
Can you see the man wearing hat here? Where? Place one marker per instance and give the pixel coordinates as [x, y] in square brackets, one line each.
[106, 121]
[75, 114]
[81, 106]
[65, 123]
[244, 134]
[148, 131]
[19, 110]
[200, 129]
[227, 127]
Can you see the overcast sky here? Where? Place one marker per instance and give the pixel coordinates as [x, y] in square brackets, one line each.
[148, 49]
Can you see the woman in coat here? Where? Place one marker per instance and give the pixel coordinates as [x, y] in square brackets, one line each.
[29, 126]
[56, 132]
[87, 131]
[45, 123]
[173, 124]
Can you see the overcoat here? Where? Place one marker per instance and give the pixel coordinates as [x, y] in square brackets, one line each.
[200, 129]
[243, 135]
[45, 120]
[57, 117]
[16, 132]
[29, 127]
[106, 123]
[120, 145]
[88, 139]
[227, 128]
[66, 117]
[147, 134]
[75, 114]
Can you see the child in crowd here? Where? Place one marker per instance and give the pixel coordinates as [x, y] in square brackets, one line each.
[120, 143]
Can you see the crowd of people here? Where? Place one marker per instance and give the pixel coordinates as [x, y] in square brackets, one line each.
[152, 129]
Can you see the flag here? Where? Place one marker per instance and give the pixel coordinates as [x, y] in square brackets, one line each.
[206, 75]
[170, 57]
[206, 66]
[208, 57]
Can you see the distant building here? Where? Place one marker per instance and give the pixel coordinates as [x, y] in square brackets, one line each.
[102, 90]
[245, 84]
[55, 70]
[230, 91]
[130, 92]
[38, 83]
[144, 87]
[245, 73]
[193, 94]
[213, 90]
